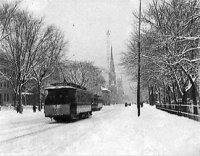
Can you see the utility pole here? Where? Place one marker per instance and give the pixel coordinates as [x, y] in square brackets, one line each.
[139, 49]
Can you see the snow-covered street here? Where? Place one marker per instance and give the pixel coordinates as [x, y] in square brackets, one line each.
[115, 130]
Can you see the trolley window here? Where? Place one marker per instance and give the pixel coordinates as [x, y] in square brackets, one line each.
[60, 96]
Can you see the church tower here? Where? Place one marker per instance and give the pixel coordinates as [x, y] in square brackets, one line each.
[112, 79]
[112, 74]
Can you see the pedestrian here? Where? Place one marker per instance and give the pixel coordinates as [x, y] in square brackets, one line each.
[141, 104]
[126, 104]
[34, 108]
[21, 109]
[17, 108]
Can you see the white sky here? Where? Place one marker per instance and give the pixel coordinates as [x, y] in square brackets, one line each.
[85, 22]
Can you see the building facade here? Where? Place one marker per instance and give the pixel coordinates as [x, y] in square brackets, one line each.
[6, 93]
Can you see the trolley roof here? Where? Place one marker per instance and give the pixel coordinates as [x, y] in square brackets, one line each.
[60, 87]
[65, 86]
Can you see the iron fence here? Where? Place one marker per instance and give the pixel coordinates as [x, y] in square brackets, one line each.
[187, 110]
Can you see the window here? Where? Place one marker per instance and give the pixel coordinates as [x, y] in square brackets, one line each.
[8, 84]
[60, 96]
[8, 97]
[5, 97]
[83, 98]
[61, 99]
[1, 99]
[4, 84]
[79, 96]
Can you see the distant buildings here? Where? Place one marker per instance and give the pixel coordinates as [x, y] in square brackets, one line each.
[114, 85]
[105, 95]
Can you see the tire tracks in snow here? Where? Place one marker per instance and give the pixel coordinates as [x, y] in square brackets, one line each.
[13, 127]
[17, 129]
[31, 133]
[21, 124]
[34, 123]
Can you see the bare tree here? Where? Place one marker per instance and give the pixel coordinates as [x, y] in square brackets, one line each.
[169, 45]
[177, 24]
[84, 74]
[7, 11]
[22, 46]
[48, 57]
[30, 49]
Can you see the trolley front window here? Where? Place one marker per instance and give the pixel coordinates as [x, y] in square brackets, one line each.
[60, 96]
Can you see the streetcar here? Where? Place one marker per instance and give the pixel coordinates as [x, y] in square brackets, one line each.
[97, 103]
[67, 101]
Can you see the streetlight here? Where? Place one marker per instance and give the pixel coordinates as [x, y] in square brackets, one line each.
[139, 49]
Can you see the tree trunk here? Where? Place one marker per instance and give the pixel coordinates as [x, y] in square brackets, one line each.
[149, 91]
[184, 101]
[14, 100]
[164, 95]
[184, 97]
[19, 99]
[159, 97]
[40, 96]
[194, 90]
[168, 95]
[151, 96]
[174, 93]
[194, 97]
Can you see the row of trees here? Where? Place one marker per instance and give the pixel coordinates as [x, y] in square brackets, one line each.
[170, 50]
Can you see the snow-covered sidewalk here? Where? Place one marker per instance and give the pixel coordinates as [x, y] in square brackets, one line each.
[115, 130]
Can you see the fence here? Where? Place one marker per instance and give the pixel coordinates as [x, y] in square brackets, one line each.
[9, 108]
[187, 110]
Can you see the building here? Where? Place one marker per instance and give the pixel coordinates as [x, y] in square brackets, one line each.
[115, 88]
[105, 95]
[112, 84]
[6, 93]
[112, 73]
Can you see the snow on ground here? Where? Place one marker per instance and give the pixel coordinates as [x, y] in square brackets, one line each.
[115, 130]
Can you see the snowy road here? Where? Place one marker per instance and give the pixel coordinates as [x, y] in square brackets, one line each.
[115, 130]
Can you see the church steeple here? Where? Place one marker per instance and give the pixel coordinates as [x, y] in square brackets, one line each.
[112, 74]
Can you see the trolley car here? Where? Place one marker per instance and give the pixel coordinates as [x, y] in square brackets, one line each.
[67, 101]
[97, 103]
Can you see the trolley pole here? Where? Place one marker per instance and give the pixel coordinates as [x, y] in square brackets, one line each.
[139, 49]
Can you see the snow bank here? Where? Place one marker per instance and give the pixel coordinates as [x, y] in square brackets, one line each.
[115, 130]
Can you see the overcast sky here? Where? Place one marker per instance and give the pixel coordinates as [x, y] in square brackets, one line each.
[85, 22]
